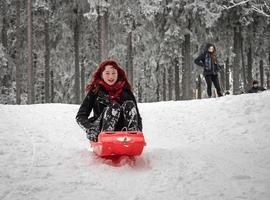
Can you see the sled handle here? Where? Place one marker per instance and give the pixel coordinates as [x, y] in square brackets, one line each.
[109, 132]
[124, 129]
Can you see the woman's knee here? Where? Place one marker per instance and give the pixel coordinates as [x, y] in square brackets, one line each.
[115, 106]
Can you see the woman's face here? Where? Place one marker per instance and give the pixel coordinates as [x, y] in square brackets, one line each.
[109, 75]
[211, 49]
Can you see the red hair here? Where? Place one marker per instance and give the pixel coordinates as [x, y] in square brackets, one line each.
[97, 75]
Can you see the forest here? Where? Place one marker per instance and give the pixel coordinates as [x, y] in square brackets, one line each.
[50, 48]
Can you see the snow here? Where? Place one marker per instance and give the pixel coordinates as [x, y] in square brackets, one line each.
[209, 149]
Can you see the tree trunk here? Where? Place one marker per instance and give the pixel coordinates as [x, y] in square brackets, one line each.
[82, 79]
[183, 70]
[139, 91]
[52, 87]
[222, 78]
[199, 87]
[129, 61]
[158, 82]
[261, 73]
[186, 76]
[4, 30]
[177, 82]
[249, 66]
[170, 82]
[227, 75]
[35, 81]
[18, 52]
[103, 27]
[268, 79]
[47, 59]
[99, 34]
[236, 62]
[164, 85]
[30, 83]
[268, 74]
[243, 64]
[76, 51]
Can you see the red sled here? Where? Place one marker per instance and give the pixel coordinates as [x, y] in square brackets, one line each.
[110, 143]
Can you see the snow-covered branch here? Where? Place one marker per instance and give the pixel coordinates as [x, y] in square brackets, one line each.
[267, 6]
[260, 10]
[235, 4]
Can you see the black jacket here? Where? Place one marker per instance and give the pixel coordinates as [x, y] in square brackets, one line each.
[97, 102]
[256, 89]
[204, 60]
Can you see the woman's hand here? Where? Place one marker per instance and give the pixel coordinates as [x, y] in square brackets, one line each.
[91, 135]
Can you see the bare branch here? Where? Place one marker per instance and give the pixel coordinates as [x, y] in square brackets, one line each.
[234, 4]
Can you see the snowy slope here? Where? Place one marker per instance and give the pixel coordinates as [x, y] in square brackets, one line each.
[207, 149]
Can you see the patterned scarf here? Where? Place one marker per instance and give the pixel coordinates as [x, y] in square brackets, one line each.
[114, 90]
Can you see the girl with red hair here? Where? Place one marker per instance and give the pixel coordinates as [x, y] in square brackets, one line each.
[113, 103]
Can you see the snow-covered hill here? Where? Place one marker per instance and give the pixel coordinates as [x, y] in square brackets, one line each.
[207, 149]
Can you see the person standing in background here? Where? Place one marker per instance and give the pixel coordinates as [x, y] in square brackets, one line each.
[208, 61]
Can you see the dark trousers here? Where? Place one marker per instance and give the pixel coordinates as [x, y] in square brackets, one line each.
[209, 79]
[109, 119]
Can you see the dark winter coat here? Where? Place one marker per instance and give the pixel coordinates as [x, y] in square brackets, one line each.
[97, 101]
[204, 60]
[256, 89]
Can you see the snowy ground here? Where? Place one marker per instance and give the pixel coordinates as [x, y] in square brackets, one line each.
[207, 149]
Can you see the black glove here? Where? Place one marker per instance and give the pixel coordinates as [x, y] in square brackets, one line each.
[92, 136]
